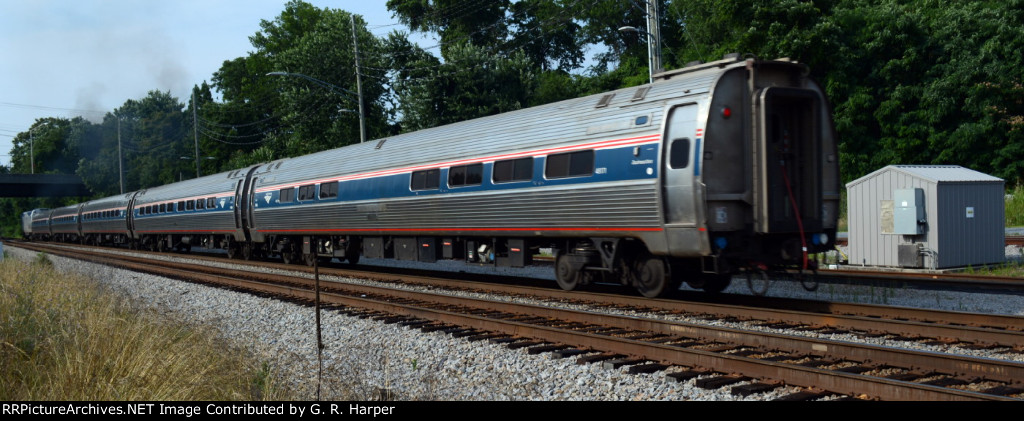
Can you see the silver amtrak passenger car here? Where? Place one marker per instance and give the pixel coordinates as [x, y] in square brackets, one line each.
[711, 170]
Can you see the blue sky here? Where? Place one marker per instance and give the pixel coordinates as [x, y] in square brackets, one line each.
[63, 58]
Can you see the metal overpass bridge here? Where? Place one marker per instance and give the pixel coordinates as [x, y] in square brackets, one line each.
[42, 185]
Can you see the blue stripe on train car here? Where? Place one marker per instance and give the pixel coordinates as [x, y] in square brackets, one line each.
[618, 164]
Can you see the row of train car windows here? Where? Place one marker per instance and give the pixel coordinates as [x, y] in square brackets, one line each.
[184, 205]
[308, 192]
[563, 165]
[103, 214]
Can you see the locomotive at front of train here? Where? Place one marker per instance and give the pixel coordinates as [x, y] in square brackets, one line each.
[750, 176]
[27, 225]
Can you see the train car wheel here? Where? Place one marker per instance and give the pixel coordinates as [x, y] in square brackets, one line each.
[649, 276]
[758, 282]
[566, 274]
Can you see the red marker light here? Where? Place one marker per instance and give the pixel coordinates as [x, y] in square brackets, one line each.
[726, 112]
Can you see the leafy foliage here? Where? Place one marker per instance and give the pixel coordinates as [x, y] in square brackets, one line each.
[910, 81]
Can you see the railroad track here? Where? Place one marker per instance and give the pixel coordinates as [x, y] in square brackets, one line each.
[970, 330]
[646, 344]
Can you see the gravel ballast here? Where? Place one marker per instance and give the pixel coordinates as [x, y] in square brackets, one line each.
[367, 360]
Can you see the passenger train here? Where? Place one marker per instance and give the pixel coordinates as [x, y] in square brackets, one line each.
[711, 170]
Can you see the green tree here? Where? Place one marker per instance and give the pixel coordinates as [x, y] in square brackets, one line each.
[478, 85]
[293, 115]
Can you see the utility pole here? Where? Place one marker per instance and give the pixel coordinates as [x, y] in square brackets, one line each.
[120, 158]
[195, 129]
[32, 150]
[359, 82]
[654, 42]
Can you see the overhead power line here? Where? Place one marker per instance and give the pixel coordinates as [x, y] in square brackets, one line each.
[42, 107]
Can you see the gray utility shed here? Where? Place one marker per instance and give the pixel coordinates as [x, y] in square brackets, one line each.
[926, 216]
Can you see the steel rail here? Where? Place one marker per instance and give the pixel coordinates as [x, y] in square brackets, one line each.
[949, 326]
[833, 381]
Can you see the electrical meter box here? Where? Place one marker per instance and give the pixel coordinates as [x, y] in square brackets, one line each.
[908, 211]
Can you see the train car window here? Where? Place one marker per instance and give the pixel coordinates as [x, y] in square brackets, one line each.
[570, 164]
[163, 207]
[679, 157]
[211, 203]
[287, 195]
[513, 170]
[466, 175]
[307, 192]
[200, 204]
[181, 206]
[329, 190]
[426, 180]
[190, 205]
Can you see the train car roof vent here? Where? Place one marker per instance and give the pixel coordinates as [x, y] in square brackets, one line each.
[640, 93]
[605, 100]
[379, 144]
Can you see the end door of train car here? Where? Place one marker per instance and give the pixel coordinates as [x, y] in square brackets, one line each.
[750, 175]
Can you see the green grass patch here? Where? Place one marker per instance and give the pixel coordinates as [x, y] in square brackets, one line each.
[1015, 207]
[1008, 269]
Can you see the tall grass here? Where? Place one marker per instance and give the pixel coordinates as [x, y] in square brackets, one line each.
[1015, 207]
[64, 338]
